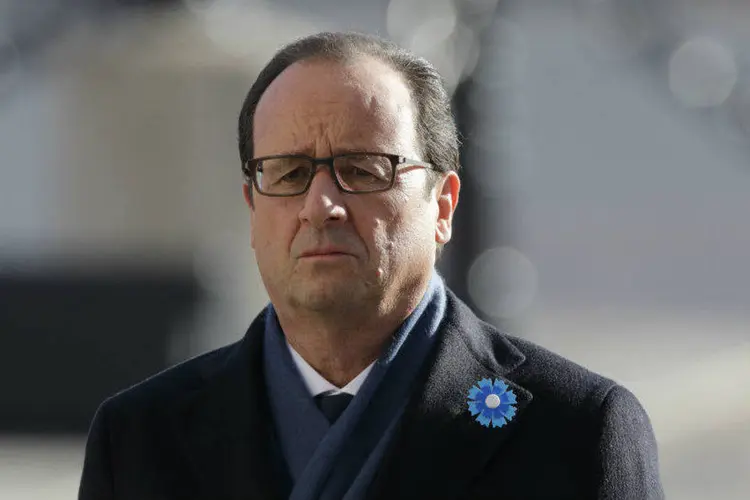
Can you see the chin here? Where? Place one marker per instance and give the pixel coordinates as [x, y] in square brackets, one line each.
[327, 294]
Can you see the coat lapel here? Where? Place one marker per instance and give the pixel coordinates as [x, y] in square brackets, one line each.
[440, 447]
[228, 430]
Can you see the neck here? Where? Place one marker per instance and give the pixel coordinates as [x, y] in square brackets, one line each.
[340, 347]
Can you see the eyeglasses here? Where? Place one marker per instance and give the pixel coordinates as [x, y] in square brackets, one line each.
[356, 173]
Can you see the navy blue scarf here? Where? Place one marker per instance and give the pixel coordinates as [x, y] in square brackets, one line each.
[339, 461]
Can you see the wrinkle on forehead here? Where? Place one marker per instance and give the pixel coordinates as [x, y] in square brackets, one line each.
[323, 106]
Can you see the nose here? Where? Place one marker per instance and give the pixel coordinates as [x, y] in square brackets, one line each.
[324, 203]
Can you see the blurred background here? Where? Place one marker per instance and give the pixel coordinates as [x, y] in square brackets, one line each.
[604, 212]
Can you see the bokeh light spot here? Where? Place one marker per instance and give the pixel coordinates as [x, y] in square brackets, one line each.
[502, 282]
[702, 73]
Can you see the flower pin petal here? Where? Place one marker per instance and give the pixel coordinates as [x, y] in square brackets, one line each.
[491, 402]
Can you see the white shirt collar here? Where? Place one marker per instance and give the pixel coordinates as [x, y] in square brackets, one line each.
[316, 384]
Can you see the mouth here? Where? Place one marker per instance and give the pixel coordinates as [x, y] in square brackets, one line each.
[324, 255]
[330, 253]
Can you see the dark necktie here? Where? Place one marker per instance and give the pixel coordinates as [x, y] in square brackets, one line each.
[333, 405]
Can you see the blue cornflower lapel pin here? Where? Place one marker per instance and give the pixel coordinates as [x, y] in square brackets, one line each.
[492, 402]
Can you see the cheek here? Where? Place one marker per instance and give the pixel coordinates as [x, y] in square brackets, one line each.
[414, 230]
[385, 226]
[272, 232]
[400, 229]
[382, 238]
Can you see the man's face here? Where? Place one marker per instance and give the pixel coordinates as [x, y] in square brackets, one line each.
[375, 247]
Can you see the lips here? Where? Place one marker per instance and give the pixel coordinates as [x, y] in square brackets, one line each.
[324, 251]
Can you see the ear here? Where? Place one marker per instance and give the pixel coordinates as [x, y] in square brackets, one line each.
[247, 192]
[447, 190]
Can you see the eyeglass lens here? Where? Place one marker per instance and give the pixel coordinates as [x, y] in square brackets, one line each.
[290, 175]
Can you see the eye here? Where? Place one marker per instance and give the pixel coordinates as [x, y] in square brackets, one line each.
[284, 170]
[362, 167]
[361, 172]
[294, 176]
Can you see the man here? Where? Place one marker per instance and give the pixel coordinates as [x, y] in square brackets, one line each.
[364, 377]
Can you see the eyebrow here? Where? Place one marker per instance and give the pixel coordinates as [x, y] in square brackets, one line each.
[306, 151]
[343, 151]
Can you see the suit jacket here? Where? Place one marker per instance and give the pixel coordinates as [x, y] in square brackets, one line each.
[203, 430]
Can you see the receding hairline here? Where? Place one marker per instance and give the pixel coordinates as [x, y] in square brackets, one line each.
[438, 140]
[350, 59]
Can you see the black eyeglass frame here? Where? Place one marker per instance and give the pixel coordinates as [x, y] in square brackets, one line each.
[249, 169]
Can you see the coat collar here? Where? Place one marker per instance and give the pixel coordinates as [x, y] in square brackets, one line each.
[228, 430]
[232, 446]
[437, 427]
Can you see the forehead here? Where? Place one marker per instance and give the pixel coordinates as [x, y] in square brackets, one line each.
[325, 105]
